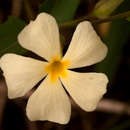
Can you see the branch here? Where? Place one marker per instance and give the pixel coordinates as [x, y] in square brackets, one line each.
[16, 7]
[113, 106]
[95, 21]
[3, 98]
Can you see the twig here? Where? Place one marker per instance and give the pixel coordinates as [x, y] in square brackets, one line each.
[95, 21]
[3, 95]
[16, 7]
[29, 10]
[113, 106]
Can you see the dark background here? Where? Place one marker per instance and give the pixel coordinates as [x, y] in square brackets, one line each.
[113, 112]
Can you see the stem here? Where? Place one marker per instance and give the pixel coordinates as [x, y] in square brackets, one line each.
[111, 106]
[3, 98]
[95, 21]
[115, 17]
[29, 10]
[16, 7]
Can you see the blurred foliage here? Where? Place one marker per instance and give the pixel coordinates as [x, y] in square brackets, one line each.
[125, 125]
[118, 35]
[62, 10]
[128, 19]
[105, 7]
[8, 36]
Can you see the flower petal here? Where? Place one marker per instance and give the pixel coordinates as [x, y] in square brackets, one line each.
[21, 73]
[49, 102]
[86, 48]
[86, 88]
[41, 36]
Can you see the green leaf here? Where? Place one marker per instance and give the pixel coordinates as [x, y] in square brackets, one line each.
[8, 36]
[105, 7]
[47, 6]
[62, 10]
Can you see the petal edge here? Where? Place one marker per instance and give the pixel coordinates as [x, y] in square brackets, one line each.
[21, 73]
[41, 36]
[86, 47]
[49, 102]
[86, 88]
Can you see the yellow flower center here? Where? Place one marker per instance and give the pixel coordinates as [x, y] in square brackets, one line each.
[57, 68]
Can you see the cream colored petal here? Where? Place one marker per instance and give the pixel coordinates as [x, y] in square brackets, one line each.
[86, 88]
[21, 73]
[86, 48]
[41, 36]
[49, 102]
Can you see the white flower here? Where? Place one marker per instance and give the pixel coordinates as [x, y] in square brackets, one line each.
[50, 101]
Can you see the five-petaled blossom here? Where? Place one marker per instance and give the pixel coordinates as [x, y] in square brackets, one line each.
[50, 101]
